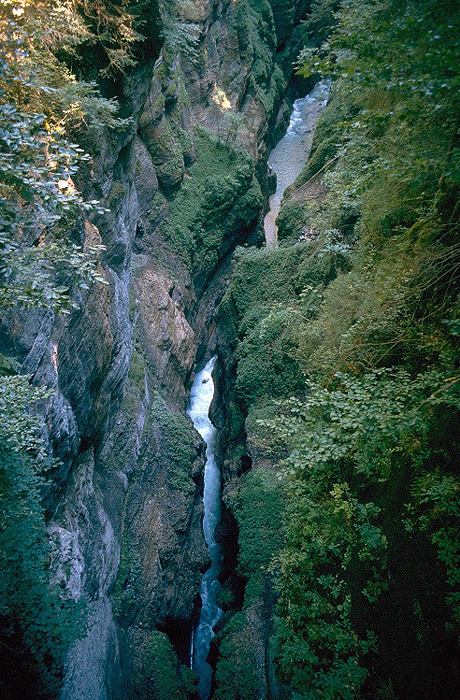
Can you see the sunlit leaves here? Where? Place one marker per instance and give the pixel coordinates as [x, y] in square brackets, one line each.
[41, 101]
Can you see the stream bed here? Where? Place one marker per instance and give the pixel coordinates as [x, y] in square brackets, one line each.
[290, 154]
[201, 395]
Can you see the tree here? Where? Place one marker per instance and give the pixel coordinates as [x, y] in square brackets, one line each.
[42, 217]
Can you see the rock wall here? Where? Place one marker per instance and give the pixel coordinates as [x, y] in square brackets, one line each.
[125, 503]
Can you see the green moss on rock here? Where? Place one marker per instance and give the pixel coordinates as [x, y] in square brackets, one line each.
[219, 200]
[283, 15]
[236, 674]
[157, 673]
[177, 444]
[166, 153]
[259, 510]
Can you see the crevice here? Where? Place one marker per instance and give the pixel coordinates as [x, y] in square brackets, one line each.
[179, 633]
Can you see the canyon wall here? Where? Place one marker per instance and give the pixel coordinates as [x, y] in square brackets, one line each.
[183, 184]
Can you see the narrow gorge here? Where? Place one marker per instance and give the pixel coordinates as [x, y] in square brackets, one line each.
[201, 396]
[229, 350]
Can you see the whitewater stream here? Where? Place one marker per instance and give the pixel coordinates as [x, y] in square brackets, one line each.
[290, 154]
[200, 400]
[287, 160]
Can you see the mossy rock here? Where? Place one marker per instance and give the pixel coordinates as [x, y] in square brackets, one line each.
[177, 442]
[156, 671]
[283, 15]
[171, 171]
[258, 309]
[259, 513]
[136, 374]
[236, 674]
[219, 200]
[166, 153]
[116, 195]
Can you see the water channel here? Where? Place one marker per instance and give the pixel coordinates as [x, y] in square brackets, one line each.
[287, 159]
[200, 400]
[290, 154]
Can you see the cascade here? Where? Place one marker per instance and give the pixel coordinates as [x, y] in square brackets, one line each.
[201, 395]
[291, 152]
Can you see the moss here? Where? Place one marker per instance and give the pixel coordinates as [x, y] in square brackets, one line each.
[157, 673]
[136, 373]
[235, 421]
[219, 198]
[258, 509]
[292, 220]
[261, 439]
[225, 598]
[166, 153]
[170, 172]
[259, 513]
[283, 15]
[183, 136]
[265, 362]
[262, 309]
[236, 674]
[116, 194]
[125, 598]
[177, 444]
[266, 78]
[158, 206]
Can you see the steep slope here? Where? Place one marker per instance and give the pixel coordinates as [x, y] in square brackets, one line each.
[124, 501]
[348, 517]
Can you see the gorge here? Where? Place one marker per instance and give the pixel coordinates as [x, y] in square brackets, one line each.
[175, 327]
[201, 395]
[290, 154]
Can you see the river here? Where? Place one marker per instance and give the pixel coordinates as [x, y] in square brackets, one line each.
[290, 154]
[287, 159]
[201, 396]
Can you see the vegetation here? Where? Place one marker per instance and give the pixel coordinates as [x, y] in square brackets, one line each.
[41, 102]
[177, 445]
[220, 196]
[345, 339]
[368, 315]
[36, 624]
[43, 265]
[157, 672]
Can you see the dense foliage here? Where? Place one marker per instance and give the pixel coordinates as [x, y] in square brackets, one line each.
[36, 624]
[368, 574]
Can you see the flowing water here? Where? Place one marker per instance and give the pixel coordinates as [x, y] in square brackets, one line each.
[287, 159]
[290, 154]
[200, 400]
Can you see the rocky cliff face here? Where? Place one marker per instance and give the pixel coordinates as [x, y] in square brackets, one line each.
[125, 504]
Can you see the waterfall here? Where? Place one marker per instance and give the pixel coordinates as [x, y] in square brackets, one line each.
[200, 400]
